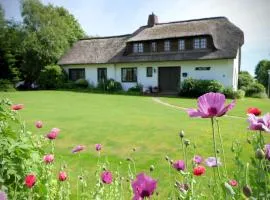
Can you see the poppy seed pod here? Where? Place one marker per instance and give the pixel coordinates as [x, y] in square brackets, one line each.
[260, 154]
[182, 134]
[247, 191]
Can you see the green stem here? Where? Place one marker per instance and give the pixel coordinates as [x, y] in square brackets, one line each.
[222, 147]
[246, 174]
[215, 146]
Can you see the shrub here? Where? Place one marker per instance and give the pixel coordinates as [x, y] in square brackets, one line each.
[254, 88]
[261, 95]
[137, 88]
[244, 80]
[194, 88]
[110, 86]
[51, 77]
[81, 83]
[229, 93]
[6, 85]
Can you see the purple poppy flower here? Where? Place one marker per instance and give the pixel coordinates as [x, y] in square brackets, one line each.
[212, 162]
[259, 123]
[143, 186]
[98, 147]
[211, 105]
[267, 151]
[197, 159]
[179, 165]
[78, 148]
[3, 195]
[106, 177]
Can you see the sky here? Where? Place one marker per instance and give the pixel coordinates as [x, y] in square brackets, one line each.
[116, 17]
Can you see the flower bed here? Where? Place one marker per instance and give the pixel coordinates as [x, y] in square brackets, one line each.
[27, 171]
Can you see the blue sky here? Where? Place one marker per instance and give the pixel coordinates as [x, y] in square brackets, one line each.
[114, 17]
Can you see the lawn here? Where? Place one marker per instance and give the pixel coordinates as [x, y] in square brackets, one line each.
[121, 123]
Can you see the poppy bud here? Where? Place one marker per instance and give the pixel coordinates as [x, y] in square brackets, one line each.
[187, 142]
[134, 149]
[167, 158]
[152, 168]
[247, 191]
[181, 134]
[260, 154]
[171, 161]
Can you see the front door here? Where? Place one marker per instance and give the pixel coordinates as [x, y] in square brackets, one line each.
[169, 79]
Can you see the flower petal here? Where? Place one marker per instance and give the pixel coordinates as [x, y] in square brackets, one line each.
[211, 100]
[226, 109]
[194, 113]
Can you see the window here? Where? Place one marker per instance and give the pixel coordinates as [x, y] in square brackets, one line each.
[200, 43]
[154, 47]
[181, 45]
[75, 74]
[138, 48]
[129, 74]
[102, 74]
[149, 71]
[167, 45]
[202, 68]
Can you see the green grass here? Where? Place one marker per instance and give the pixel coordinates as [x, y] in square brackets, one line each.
[120, 123]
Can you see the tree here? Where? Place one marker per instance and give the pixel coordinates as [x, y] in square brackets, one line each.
[244, 80]
[261, 72]
[11, 35]
[50, 32]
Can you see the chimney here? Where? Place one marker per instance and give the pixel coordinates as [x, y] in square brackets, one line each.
[152, 20]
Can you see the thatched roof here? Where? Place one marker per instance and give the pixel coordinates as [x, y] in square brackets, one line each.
[226, 37]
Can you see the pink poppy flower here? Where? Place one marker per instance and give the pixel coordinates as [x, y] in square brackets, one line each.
[212, 162]
[254, 111]
[78, 148]
[259, 123]
[39, 124]
[62, 176]
[3, 196]
[106, 177]
[233, 183]
[179, 165]
[197, 159]
[144, 186]
[98, 147]
[55, 130]
[30, 180]
[49, 158]
[17, 107]
[52, 135]
[211, 105]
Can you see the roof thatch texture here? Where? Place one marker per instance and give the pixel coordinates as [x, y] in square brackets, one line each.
[226, 37]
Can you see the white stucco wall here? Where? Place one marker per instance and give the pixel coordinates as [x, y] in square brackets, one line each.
[225, 71]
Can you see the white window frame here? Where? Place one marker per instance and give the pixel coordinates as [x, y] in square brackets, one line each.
[200, 43]
[167, 45]
[137, 47]
[181, 45]
[153, 47]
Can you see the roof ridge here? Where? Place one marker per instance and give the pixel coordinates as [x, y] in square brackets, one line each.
[190, 20]
[105, 37]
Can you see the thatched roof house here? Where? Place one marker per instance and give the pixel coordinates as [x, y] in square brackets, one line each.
[180, 41]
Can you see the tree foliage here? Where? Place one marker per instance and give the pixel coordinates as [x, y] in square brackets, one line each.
[50, 32]
[244, 79]
[261, 72]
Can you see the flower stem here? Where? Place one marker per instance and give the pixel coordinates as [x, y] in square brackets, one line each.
[222, 147]
[215, 145]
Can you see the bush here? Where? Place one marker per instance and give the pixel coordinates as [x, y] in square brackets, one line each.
[6, 85]
[244, 80]
[110, 86]
[81, 83]
[51, 77]
[137, 88]
[261, 95]
[229, 93]
[194, 88]
[254, 88]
